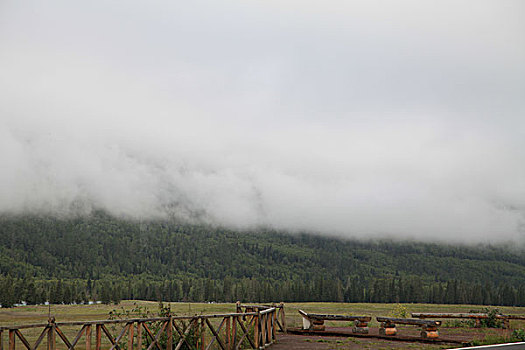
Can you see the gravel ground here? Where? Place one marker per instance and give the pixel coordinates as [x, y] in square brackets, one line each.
[291, 341]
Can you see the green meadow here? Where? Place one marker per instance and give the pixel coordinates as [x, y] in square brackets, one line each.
[135, 308]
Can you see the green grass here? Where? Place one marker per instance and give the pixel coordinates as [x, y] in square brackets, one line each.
[62, 313]
[37, 314]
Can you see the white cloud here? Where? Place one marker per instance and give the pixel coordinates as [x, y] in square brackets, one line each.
[354, 118]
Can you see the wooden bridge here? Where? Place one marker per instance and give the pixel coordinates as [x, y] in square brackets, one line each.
[254, 328]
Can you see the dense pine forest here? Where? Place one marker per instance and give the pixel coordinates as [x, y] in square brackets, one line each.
[101, 258]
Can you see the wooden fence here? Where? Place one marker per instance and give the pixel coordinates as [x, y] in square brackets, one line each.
[280, 317]
[240, 330]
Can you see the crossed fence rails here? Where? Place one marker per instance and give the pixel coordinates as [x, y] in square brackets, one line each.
[255, 328]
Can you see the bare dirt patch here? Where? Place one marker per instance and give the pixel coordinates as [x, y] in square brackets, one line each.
[294, 341]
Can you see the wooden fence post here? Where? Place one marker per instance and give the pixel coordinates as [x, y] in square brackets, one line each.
[283, 317]
[98, 336]
[139, 335]
[1, 340]
[11, 339]
[51, 335]
[274, 324]
[268, 330]
[234, 332]
[228, 334]
[263, 329]
[88, 337]
[203, 334]
[131, 329]
[170, 334]
[256, 329]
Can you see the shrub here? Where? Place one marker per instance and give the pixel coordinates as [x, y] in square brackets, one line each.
[399, 311]
[518, 335]
[491, 321]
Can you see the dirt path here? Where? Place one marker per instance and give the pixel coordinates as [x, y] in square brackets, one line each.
[292, 341]
[297, 342]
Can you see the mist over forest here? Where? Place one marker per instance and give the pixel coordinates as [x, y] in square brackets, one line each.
[102, 258]
[356, 119]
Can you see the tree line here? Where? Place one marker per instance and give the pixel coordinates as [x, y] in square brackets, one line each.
[102, 258]
[15, 291]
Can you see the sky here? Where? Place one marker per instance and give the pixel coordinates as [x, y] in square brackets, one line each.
[368, 119]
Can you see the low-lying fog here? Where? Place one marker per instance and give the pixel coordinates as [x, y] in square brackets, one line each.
[354, 118]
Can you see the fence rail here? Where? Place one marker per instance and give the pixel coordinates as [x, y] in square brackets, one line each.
[254, 329]
[279, 317]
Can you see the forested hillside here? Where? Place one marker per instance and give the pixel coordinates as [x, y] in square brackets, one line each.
[108, 259]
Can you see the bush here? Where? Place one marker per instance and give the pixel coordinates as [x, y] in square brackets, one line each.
[491, 321]
[399, 311]
[518, 335]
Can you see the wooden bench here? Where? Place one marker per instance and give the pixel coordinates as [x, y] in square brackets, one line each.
[473, 316]
[388, 326]
[513, 317]
[316, 321]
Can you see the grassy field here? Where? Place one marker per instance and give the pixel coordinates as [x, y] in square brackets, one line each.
[36, 314]
[39, 314]
[62, 313]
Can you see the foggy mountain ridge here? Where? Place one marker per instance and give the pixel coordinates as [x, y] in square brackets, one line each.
[353, 119]
[101, 257]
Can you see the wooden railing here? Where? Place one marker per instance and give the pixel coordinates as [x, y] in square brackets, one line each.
[240, 330]
[280, 317]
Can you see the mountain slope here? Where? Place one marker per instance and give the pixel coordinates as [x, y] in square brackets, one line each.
[177, 261]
